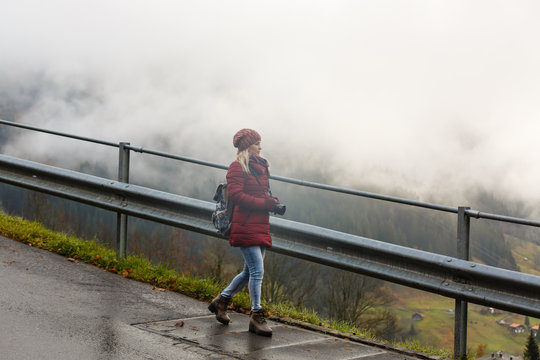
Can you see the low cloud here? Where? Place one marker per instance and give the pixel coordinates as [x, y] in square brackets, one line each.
[436, 99]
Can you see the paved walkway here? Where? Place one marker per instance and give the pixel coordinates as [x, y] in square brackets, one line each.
[52, 308]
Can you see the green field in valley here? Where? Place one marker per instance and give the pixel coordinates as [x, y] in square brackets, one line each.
[437, 327]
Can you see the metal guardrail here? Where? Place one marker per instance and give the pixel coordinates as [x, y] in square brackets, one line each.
[472, 213]
[443, 275]
[58, 133]
[463, 281]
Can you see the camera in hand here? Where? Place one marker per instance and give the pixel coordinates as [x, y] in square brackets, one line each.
[280, 209]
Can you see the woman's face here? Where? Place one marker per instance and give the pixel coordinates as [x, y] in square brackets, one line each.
[255, 149]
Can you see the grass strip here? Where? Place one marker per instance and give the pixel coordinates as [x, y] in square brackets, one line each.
[141, 269]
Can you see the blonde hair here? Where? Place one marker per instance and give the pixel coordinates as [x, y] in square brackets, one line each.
[242, 156]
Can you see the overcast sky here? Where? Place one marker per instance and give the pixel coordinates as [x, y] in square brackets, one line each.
[429, 96]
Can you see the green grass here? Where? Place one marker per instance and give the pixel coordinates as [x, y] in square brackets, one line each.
[91, 252]
[142, 269]
[526, 254]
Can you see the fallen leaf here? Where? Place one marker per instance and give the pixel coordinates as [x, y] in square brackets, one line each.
[9, 262]
[125, 273]
[72, 260]
[179, 324]
[158, 288]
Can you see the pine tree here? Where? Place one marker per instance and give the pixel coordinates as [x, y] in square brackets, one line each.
[531, 350]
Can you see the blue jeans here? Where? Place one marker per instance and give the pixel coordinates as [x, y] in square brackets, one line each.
[252, 275]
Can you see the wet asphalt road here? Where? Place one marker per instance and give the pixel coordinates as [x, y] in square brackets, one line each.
[52, 308]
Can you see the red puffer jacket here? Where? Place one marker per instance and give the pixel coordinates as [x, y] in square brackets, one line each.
[249, 225]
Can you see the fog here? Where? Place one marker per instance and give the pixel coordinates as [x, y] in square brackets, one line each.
[432, 100]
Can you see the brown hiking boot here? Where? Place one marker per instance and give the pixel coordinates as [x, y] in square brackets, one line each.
[219, 307]
[258, 325]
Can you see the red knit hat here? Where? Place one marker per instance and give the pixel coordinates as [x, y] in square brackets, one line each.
[245, 138]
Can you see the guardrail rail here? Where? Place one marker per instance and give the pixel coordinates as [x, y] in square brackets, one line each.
[456, 278]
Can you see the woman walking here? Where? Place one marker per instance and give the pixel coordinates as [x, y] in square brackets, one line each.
[247, 182]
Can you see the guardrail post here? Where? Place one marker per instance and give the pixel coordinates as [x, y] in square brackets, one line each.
[121, 219]
[460, 323]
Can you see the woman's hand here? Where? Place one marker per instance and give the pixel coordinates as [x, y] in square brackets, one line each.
[270, 203]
